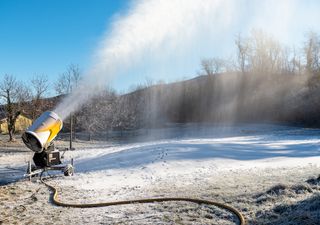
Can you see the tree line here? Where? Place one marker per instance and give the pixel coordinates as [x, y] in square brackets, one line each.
[31, 98]
[263, 81]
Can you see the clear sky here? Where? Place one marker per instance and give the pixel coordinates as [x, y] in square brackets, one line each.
[45, 36]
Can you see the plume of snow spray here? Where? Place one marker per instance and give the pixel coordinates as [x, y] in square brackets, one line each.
[161, 29]
[149, 28]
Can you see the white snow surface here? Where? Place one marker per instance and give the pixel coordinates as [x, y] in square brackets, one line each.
[181, 160]
[187, 151]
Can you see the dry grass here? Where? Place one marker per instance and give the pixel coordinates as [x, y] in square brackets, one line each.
[262, 201]
[288, 205]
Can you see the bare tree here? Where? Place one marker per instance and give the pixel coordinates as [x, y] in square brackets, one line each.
[296, 62]
[40, 86]
[312, 53]
[242, 53]
[89, 117]
[207, 67]
[68, 80]
[264, 53]
[213, 66]
[13, 94]
[65, 84]
[98, 114]
[290, 61]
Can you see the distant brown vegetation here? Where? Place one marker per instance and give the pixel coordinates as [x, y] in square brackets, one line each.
[266, 82]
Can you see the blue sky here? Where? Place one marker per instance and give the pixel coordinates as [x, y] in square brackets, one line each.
[45, 36]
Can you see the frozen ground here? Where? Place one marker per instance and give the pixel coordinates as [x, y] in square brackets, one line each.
[268, 172]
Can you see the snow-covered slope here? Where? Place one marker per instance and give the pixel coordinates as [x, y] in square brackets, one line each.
[189, 148]
[245, 147]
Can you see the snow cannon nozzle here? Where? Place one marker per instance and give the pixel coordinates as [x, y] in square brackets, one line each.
[39, 136]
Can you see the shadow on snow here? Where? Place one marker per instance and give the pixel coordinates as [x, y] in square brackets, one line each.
[244, 149]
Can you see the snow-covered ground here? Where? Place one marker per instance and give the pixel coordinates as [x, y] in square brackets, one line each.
[232, 164]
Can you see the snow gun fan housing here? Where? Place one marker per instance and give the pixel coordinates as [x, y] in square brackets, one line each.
[39, 136]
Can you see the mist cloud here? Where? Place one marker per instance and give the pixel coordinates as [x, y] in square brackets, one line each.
[176, 33]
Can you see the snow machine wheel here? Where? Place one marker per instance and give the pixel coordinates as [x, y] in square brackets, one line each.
[68, 170]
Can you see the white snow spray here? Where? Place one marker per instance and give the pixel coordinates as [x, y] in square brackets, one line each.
[164, 28]
[150, 28]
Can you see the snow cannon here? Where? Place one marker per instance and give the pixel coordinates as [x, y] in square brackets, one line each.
[39, 138]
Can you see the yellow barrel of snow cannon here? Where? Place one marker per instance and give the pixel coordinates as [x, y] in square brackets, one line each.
[41, 133]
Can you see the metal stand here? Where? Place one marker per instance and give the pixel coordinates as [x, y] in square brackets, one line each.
[32, 171]
[71, 133]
